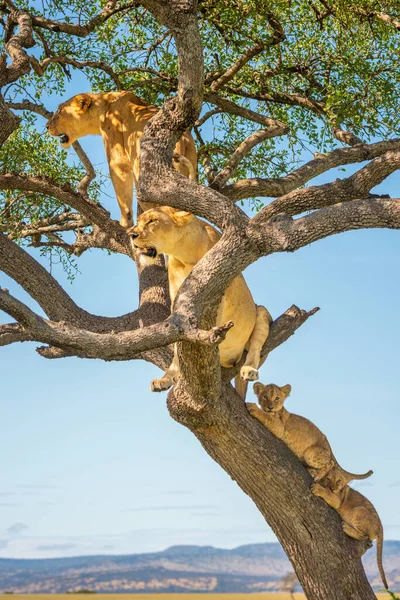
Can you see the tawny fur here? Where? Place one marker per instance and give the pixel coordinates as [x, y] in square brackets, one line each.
[360, 519]
[119, 117]
[303, 438]
[185, 239]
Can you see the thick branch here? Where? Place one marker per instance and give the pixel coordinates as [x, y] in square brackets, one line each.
[58, 306]
[185, 194]
[346, 136]
[20, 64]
[66, 194]
[12, 333]
[357, 214]
[342, 190]
[380, 16]
[37, 282]
[41, 67]
[281, 330]
[28, 105]
[178, 114]
[387, 19]
[107, 346]
[250, 188]
[108, 11]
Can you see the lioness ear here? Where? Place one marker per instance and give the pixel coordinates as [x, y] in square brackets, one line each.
[181, 217]
[286, 389]
[258, 388]
[83, 101]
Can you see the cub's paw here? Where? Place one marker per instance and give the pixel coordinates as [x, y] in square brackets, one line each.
[248, 373]
[252, 408]
[160, 385]
[317, 490]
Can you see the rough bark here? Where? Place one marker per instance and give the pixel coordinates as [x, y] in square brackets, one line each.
[327, 562]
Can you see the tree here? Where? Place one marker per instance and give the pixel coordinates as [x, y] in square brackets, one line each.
[324, 71]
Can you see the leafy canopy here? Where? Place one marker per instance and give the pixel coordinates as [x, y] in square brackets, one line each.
[335, 66]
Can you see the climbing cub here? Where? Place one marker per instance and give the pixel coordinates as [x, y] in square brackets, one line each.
[360, 519]
[303, 438]
[185, 239]
[119, 117]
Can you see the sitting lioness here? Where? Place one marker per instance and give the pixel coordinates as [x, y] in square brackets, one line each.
[186, 239]
[119, 117]
[303, 438]
[360, 519]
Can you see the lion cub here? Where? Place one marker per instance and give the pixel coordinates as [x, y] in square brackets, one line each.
[185, 239]
[303, 438]
[360, 519]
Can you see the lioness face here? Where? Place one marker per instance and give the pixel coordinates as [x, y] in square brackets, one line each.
[271, 397]
[159, 228]
[71, 120]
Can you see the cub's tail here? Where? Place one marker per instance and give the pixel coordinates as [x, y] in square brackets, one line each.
[362, 476]
[178, 158]
[379, 553]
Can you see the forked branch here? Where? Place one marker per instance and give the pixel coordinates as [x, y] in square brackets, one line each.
[278, 186]
[342, 190]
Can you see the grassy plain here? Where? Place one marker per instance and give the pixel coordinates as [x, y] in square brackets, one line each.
[262, 596]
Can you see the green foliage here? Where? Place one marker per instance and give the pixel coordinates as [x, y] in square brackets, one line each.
[28, 150]
[336, 67]
[32, 152]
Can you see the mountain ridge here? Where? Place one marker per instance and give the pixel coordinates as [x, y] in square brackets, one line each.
[247, 568]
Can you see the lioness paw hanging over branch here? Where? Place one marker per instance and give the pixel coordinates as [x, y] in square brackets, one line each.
[120, 118]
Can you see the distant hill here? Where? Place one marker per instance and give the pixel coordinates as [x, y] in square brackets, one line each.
[251, 568]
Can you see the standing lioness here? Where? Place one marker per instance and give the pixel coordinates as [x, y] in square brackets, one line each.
[119, 117]
[186, 239]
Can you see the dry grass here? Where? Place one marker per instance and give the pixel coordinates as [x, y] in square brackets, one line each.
[262, 596]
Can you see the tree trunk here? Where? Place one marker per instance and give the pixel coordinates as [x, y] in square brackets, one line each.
[327, 562]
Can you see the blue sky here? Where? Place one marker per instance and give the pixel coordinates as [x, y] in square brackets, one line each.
[92, 462]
